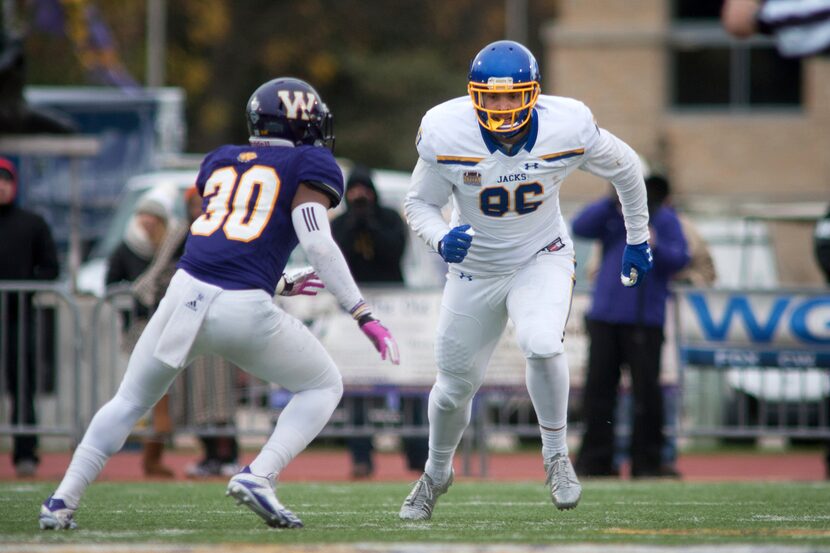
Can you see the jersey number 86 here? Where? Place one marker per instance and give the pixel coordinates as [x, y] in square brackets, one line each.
[495, 202]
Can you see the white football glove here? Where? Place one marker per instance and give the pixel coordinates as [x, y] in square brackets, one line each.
[303, 281]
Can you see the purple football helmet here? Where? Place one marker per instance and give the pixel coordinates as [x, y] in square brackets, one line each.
[289, 109]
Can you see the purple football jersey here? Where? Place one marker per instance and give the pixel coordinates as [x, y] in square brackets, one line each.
[244, 236]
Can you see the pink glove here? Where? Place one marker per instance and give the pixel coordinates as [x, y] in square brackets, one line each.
[300, 281]
[381, 338]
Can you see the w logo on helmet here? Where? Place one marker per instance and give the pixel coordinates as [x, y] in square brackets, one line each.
[296, 104]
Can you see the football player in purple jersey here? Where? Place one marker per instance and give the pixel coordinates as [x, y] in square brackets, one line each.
[259, 202]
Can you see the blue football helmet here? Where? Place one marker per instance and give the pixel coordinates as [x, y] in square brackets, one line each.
[292, 110]
[504, 67]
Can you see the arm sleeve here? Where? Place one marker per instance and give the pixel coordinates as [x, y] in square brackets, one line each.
[428, 193]
[611, 159]
[314, 233]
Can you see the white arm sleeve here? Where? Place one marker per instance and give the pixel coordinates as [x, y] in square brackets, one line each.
[428, 193]
[312, 227]
[612, 159]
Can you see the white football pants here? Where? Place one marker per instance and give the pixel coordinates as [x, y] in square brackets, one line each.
[246, 328]
[537, 298]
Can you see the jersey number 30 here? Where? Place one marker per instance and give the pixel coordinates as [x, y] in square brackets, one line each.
[235, 215]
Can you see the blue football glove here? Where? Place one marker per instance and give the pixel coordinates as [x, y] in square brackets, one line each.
[636, 262]
[453, 247]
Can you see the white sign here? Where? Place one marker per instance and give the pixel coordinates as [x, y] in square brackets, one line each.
[412, 317]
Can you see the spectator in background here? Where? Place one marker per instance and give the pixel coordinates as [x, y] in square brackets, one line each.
[700, 270]
[27, 252]
[373, 238]
[204, 394]
[799, 28]
[625, 326]
[144, 235]
[821, 244]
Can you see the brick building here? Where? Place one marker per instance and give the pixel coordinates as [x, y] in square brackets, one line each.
[736, 126]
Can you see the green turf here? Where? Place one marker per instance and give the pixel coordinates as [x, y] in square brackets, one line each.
[473, 512]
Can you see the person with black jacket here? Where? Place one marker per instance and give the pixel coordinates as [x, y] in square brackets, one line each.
[27, 252]
[371, 236]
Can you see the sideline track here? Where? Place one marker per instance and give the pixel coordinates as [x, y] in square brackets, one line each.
[333, 465]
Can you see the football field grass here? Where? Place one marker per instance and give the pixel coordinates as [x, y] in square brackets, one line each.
[473, 512]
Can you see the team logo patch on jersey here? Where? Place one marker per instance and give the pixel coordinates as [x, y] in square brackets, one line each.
[245, 157]
[554, 246]
[473, 178]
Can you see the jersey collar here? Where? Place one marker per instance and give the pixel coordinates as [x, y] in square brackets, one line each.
[527, 143]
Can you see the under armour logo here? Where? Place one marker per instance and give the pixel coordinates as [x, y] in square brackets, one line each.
[465, 275]
[529, 166]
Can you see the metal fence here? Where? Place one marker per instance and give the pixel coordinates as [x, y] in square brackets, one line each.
[723, 342]
[41, 342]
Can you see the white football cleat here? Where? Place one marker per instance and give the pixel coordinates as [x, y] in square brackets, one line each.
[257, 493]
[55, 515]
[565, 489]
[420, 502]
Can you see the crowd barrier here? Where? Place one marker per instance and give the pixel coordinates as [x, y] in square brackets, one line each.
[41, 390]
[737, 363]
[754, 362]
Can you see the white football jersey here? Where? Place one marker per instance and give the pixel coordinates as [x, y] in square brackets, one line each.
[512, 201]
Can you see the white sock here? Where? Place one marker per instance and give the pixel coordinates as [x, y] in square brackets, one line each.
[548, 383]
[106, 434]
[87, 463]
[439, 465]
[554, 442]
[299, 423]
[446, 427]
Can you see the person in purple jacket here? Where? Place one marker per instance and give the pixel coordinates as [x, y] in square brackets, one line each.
[625, 326]
[260, 201]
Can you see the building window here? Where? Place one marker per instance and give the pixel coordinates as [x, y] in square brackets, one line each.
[696, 9]
[710, 69]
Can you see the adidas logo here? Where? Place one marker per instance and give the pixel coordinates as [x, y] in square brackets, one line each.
[193, 304]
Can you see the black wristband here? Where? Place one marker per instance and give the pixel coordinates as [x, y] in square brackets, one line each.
[363, 319]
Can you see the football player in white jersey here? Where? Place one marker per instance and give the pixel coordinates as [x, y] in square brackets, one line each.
[501, 153]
